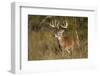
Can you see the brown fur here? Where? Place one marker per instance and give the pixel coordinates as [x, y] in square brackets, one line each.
[66, 43]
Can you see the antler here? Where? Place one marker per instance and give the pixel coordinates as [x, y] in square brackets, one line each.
[64, 24]
[54, 23]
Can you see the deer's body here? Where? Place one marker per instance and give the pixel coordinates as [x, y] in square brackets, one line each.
[66, 42]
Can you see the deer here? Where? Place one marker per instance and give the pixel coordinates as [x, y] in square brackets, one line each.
[66, 43]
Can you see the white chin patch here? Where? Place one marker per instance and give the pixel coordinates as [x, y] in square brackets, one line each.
[59, 38]
[56, 36]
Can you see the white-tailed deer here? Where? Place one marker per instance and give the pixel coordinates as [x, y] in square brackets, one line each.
[66, 42]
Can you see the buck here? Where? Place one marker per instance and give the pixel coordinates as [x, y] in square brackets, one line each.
[66, 42]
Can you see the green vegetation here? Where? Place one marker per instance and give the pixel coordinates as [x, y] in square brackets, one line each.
[42, 44]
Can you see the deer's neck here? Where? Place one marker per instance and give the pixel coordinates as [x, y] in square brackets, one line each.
[60, 40]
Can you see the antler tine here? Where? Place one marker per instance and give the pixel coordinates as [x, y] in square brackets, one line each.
[65, 24]
[56, 23]
[51, 24]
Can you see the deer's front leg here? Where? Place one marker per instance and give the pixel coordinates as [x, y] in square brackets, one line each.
[65, 52]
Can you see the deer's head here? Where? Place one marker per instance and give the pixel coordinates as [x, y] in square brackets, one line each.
[59, 27]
